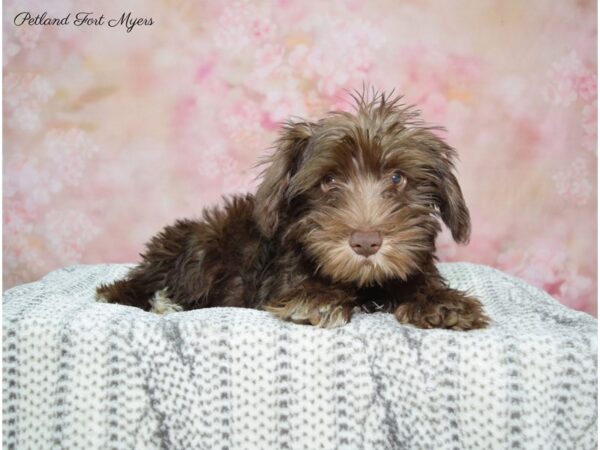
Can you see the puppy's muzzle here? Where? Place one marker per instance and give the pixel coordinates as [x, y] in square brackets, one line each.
[366, 243]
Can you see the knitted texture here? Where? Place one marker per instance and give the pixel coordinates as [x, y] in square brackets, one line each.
[85, 375]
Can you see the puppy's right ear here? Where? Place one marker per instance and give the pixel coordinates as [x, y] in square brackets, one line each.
[281, 166]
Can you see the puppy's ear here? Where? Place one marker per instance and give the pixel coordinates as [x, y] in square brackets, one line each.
[453, 210]
[281, 166]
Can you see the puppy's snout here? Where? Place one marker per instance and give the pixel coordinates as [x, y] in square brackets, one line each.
[366, 243]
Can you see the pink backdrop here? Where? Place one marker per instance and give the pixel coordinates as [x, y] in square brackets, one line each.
[109, 135]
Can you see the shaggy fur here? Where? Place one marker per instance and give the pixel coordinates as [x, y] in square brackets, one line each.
[345, 217]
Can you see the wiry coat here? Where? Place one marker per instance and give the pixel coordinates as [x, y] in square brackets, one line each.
[297, 248]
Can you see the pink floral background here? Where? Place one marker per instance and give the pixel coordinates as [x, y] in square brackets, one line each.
[110, 135]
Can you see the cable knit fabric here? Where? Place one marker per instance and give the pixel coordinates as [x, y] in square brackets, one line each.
[84, 375]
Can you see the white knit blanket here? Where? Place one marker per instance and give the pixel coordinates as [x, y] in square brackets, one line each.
[84, 375]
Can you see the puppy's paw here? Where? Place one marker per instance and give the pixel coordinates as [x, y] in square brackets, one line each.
[306, 312]
[330, 316]
[446, 309]
[162, 304]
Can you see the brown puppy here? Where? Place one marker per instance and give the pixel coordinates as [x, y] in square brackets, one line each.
[346, 216]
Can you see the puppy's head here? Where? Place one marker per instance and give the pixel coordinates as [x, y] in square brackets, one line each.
[362, 193]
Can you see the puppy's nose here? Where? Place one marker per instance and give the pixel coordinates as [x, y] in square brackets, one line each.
[366, 243]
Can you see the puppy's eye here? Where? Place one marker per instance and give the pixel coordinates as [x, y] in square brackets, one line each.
[397, 178]
[329, 183]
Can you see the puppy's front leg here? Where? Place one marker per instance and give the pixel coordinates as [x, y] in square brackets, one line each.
[315, 304]
[442, 307]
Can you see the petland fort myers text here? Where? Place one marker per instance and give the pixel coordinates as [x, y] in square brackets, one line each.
[126, 20]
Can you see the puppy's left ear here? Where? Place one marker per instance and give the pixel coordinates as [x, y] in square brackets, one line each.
[281, 166]
[453, 209]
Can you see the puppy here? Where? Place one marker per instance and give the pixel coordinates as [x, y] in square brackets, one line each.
[345, 218]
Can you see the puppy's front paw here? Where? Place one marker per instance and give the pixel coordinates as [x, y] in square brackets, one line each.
[445, 309]
[323, 315]
[330, 316]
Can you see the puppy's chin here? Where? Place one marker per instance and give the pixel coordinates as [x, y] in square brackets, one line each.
[338, 262]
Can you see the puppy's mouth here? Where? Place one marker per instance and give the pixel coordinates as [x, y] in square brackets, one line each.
[367, 260]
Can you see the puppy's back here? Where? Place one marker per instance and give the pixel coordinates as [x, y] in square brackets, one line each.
[197, 263]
